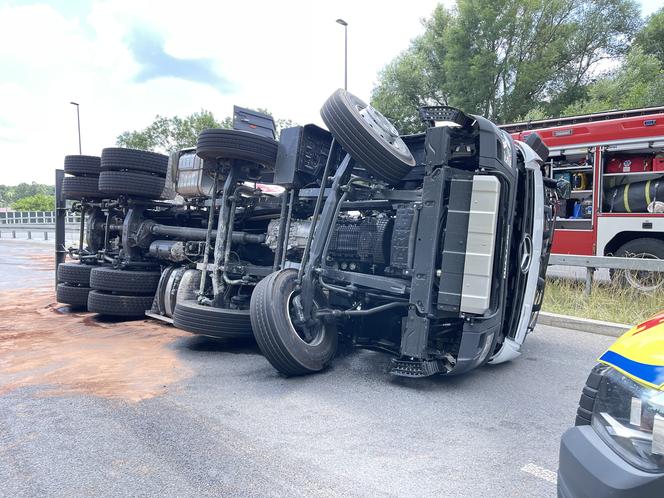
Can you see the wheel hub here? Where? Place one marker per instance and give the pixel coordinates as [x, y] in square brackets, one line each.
[382, 127]
[309, 330]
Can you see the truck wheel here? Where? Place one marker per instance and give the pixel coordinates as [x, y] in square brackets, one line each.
[78, 187]
[130, 281]
[109, 304]
[367, 136]
[131, 183]
[118, 158]
[74, 273]
[71, 294]
[645, 248]
[218, 143]
[82, 165]
[282, 343]
[220, 323]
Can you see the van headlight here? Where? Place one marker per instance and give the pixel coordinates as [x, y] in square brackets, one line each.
[629, 417]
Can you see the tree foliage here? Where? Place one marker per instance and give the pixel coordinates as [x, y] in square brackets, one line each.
[37, 202]
[503, 58]
[639, 82]
[651, 37]
[170, 134]
[10, 194]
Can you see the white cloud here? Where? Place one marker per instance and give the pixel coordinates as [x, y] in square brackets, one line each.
[285, 56]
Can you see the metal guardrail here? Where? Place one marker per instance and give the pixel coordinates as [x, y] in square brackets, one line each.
[34, 218]
[591, 263]
[44, 231]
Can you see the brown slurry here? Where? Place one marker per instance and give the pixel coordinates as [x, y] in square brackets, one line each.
[43, 261]
[41, 344]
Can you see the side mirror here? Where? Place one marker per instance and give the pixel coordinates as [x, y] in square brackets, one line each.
[535, 142]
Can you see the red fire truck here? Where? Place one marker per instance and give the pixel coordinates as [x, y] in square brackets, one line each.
[614, 162]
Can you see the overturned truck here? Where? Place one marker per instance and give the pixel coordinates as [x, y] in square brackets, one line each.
[431, 247]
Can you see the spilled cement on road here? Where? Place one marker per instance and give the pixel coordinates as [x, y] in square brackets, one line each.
[61, 352]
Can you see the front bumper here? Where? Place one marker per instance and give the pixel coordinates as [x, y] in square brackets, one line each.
[589, 468]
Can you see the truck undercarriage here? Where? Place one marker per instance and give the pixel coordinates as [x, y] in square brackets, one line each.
[430, 247]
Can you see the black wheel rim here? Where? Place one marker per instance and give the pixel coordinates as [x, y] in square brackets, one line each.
[311, 334]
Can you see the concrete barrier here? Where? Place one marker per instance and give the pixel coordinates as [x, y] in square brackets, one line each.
[583, 324]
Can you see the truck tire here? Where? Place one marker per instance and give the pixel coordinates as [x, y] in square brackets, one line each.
[647, 248]
[79, 187]
[129, 281]
[82, 165]
[278, 339]
[118, 159]
[109, 304]
[74, 273]
[367, 136]
[131, 183]
[220, 323]
[219, 143]
[71, 294]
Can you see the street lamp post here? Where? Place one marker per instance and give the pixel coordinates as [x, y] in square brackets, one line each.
[345, 25]
[78, 118]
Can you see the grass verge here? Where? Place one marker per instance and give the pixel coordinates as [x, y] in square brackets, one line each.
[608, 301]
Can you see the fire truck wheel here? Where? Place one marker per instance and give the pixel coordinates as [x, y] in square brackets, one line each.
[118, 159]
[82, 165]
[131, 184]
[645, 248]
[220, 323]
[285, 345]
[367, 136]
[218, 143]
[71, 294]
[130, 281]
[79, 187]
[74, 273]
[109, 304]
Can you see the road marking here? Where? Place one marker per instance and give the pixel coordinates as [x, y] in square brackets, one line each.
[541, 472]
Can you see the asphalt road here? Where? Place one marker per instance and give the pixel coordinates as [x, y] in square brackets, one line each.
[233, 427]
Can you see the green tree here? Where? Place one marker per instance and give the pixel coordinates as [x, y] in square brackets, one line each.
[651, 37]
[12, 193]
[175, 133]
[37, 202]
[639, 82]
[170, 134]
[503, 58]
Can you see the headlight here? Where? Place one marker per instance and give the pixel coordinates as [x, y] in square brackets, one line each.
[506, 142]
[629, 417]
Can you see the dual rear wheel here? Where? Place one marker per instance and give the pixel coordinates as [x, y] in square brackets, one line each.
[122, 293]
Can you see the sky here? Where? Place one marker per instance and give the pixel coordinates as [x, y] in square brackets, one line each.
[125, 61]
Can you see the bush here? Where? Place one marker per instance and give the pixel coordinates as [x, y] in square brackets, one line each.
[37, 202]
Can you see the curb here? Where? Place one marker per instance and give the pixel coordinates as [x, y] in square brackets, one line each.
[583, 324]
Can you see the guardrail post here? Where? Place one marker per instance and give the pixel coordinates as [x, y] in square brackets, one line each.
[589, 281]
